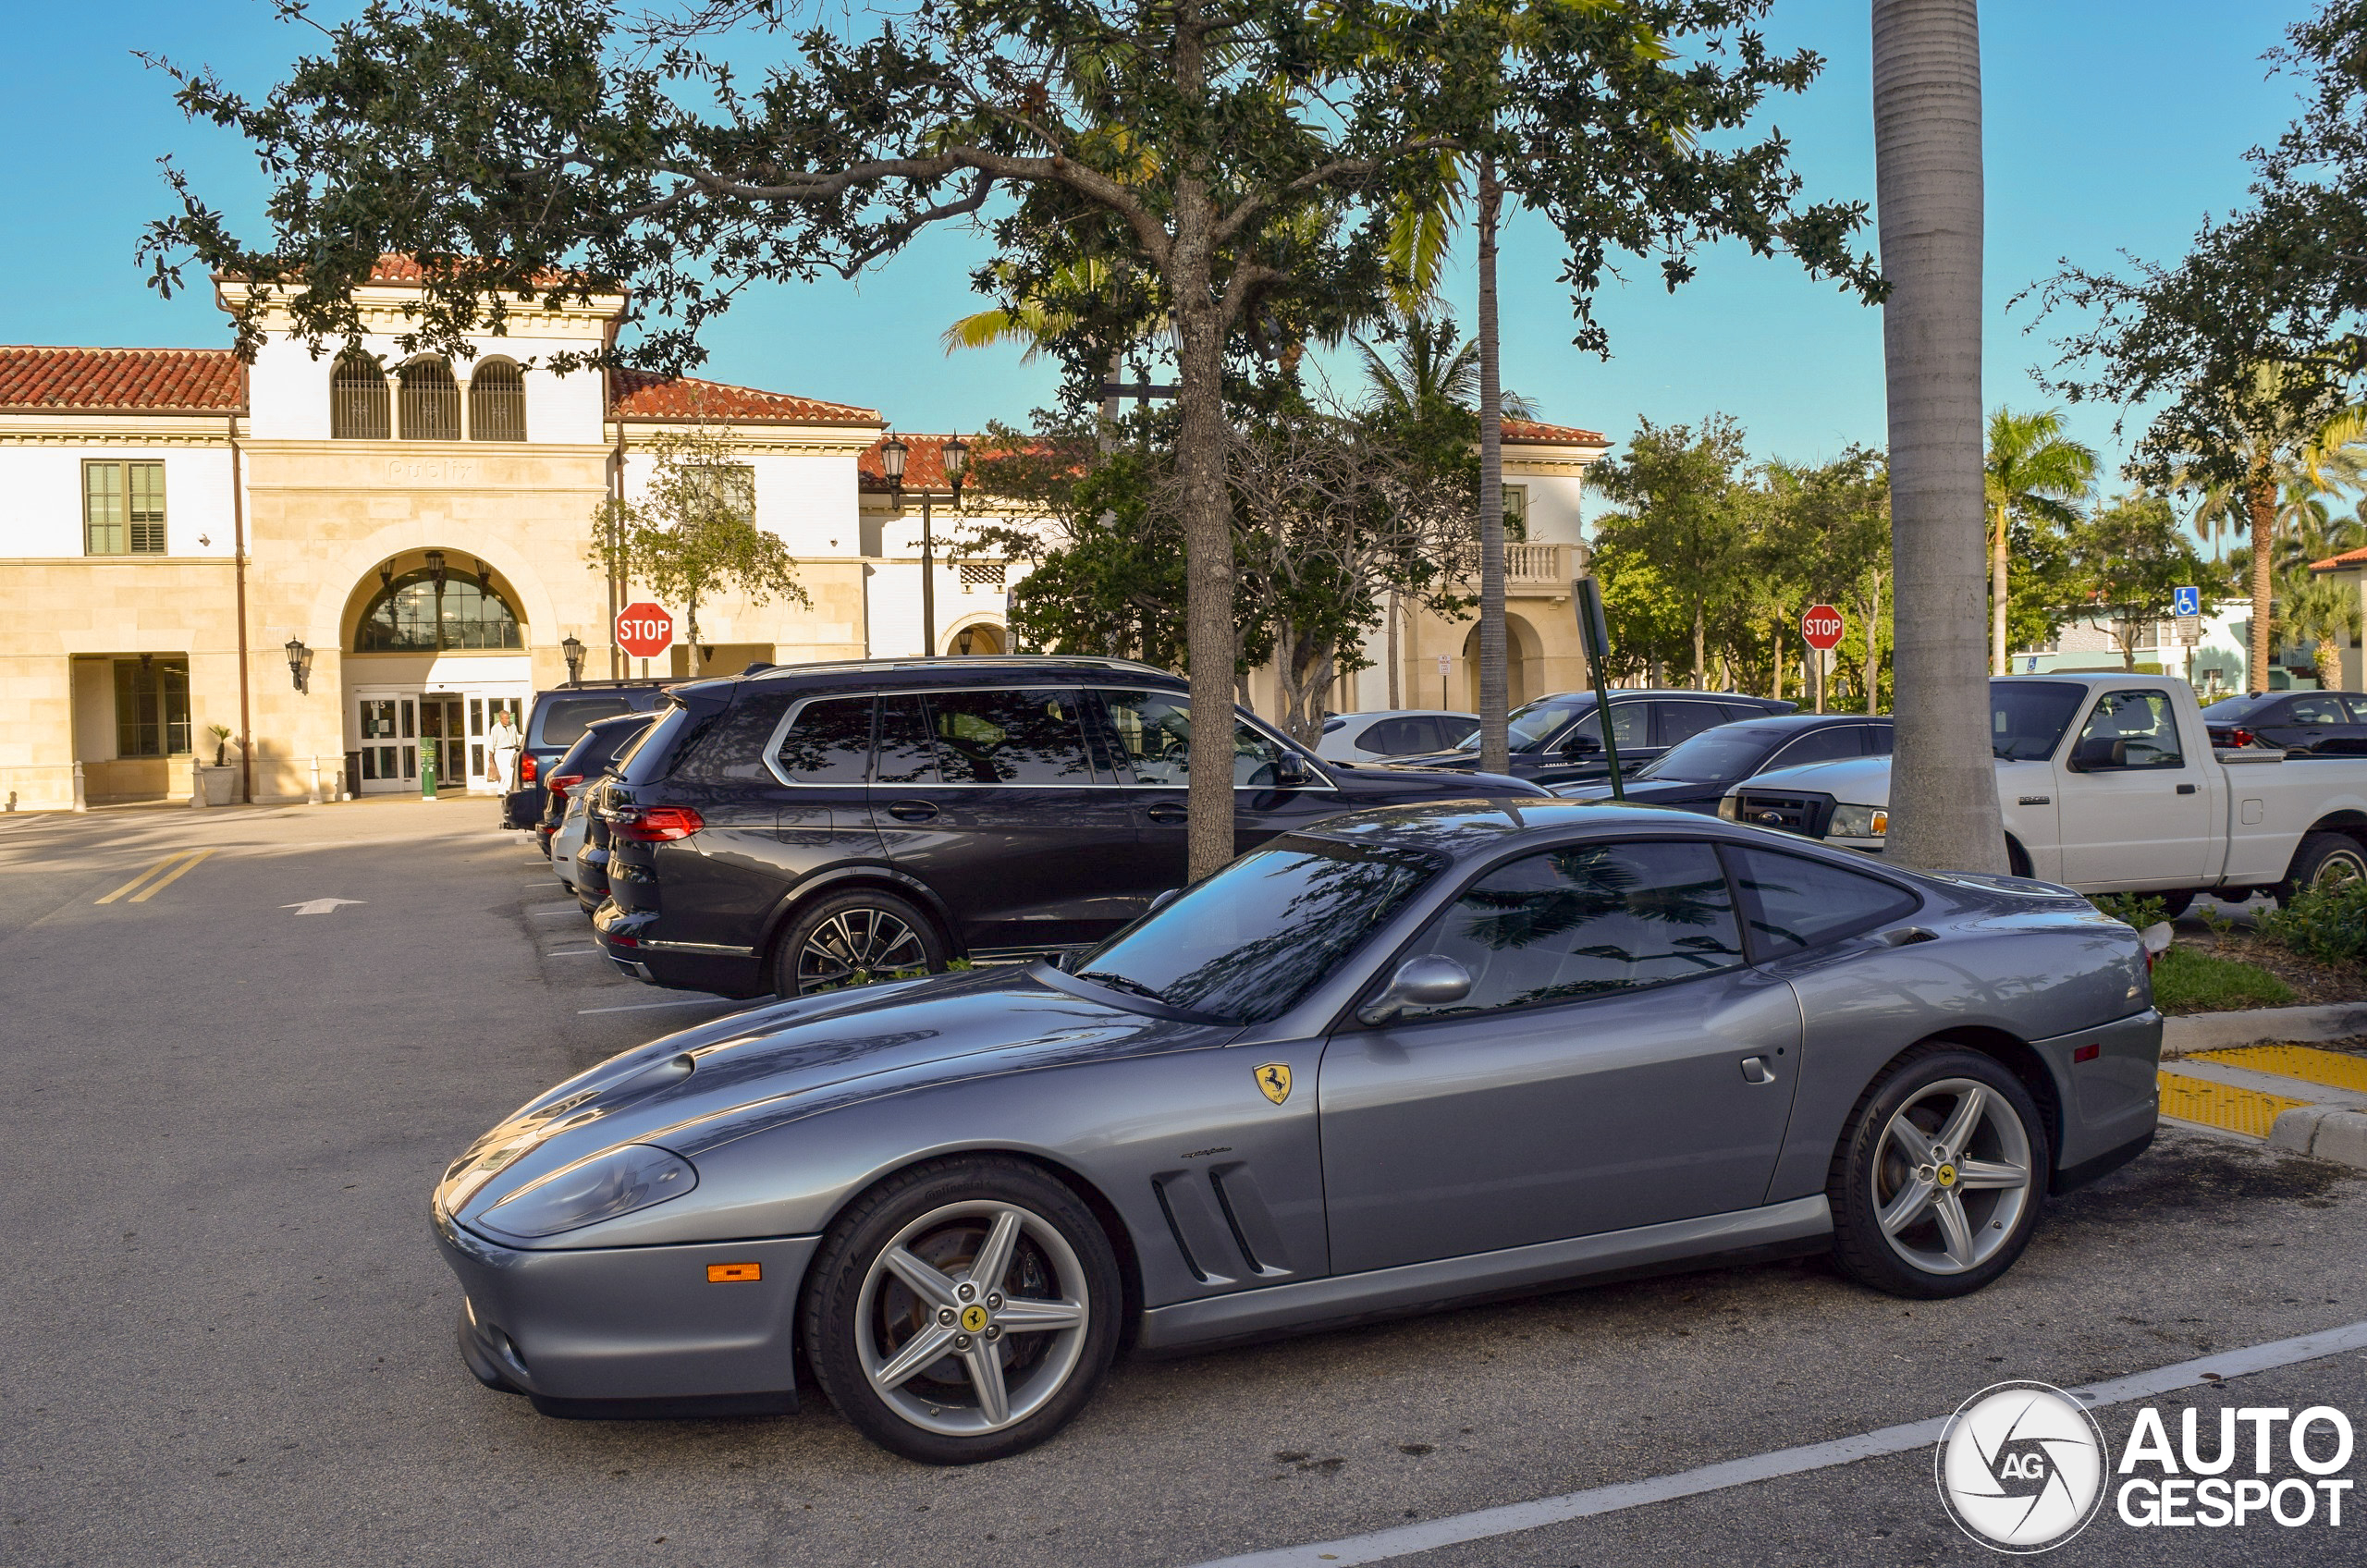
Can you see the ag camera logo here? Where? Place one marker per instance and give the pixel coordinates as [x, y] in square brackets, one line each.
[2021, 1467]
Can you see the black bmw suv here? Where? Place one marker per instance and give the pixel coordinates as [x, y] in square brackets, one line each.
[784, 832]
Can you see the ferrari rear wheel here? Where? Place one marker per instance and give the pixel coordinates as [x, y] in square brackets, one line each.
[1938, 1183]
[964, 1310]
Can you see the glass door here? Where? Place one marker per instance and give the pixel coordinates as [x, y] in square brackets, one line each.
[444, 742]
[389, 728]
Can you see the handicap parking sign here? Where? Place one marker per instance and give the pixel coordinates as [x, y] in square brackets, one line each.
[2186, 601]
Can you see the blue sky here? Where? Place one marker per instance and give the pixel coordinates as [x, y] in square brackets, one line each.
[2112, 124]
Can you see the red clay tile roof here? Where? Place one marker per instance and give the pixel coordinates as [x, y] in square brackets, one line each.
[2335, 563]
[1529, 431]
[640, 394]
[924, 463]
[204, 381]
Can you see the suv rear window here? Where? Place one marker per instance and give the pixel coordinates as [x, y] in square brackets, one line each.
[562, 721]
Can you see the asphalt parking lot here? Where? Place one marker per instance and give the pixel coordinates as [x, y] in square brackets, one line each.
[230, 1337]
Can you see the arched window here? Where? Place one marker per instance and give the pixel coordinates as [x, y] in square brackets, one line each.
[431, 402]
[497, 403]
[358, 409]
[410, 615]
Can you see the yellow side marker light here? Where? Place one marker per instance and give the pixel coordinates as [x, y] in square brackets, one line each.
[2247, 1111]
[2333, 1069]
[733, 1273]
[186, 858]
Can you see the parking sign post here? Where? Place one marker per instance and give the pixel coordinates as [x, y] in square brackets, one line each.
[1586, 598]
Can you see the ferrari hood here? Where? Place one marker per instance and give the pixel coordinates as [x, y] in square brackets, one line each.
[706, 1086]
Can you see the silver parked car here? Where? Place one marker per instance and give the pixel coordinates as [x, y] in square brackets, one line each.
[1397, 1059]
[1394, 733]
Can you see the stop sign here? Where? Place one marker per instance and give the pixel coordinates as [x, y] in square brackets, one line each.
[1822, 627]
[644, 630]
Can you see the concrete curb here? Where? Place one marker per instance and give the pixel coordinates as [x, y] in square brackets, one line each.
[2324, 1131]
[2252, 1026]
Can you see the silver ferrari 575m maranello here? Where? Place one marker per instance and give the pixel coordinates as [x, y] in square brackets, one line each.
[1407, 1058]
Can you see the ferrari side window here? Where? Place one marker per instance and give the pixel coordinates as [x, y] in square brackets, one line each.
[1585, 920]
[1792, 902]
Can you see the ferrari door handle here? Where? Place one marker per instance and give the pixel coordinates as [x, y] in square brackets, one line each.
[1165, 812]
[912, 811]
[1756, 1071]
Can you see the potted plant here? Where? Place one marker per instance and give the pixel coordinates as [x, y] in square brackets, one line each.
[220, 782]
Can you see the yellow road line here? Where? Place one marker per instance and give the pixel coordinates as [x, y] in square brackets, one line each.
[2307, 1064]
[2249, 1112]
[143, 876]
[166, 880]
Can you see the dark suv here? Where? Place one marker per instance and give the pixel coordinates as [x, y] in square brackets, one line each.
[785, 830]
[560, 717]
[1558, 740]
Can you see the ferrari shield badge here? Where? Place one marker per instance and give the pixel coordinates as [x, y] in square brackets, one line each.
[1274, 1081]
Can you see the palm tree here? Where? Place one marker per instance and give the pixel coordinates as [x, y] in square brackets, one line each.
[1927, 176]
[2320, 612]
[2032, 473]
[1427, 372]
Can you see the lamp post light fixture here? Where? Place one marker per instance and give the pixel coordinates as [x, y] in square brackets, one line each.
[300, 664]
[892, 453]
[957, 457]
[572, 647]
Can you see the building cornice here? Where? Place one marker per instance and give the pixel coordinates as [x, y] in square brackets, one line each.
[91, 427]
[749, 440]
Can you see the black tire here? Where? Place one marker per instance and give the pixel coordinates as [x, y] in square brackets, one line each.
[2175, 902]
[2322, 858]
[1051, 1374]
[1868, 1175]
[829, 941]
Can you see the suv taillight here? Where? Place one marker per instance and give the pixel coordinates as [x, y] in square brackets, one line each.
[653, 824]
[526, 770]
[560, 783]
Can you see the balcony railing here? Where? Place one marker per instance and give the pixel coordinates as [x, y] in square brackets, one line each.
[1538, 565]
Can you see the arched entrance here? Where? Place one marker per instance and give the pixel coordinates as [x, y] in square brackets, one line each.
[979, 637]
[437, 654]
[1523, 649]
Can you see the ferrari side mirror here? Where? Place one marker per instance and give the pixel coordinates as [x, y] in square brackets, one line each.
[1430, 980]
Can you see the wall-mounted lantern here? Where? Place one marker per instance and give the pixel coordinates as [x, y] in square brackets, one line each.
[300, 664]
[572, 647]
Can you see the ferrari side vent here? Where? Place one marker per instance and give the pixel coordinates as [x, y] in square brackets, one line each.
[1232, 1223]
[1182, 1246]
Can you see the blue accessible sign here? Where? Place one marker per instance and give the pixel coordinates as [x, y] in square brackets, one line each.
[2186, 601]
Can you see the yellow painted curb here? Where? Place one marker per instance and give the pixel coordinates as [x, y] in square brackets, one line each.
[2333, 1069]
[2249, 1112]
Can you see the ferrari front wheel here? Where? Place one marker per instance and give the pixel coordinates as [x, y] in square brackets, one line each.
[964, 1310]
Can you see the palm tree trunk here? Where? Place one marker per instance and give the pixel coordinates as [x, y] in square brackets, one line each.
[1998, 651]
[1927, 185]
[1874, 646]
[2260, 500]
[1495, 752]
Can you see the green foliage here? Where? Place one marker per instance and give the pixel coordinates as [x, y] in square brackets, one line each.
[2140, 910]
[691, 532]
[2125, 561]
[868, 978]
[2186, 980]
[2327, 922]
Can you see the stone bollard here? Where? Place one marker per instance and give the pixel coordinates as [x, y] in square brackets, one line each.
[81, 801]
[313, 797]
[196, 786]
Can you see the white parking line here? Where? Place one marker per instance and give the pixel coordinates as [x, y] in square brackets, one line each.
[1431, 1534]
[570, 952]
[644, 1007]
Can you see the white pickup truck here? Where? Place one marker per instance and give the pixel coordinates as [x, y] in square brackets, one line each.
[2109, 784]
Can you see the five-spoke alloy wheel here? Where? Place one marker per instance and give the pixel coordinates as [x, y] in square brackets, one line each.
[1938, 1182]
[964, 1310]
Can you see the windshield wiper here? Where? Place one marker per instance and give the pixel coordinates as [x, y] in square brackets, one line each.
[1124, 983]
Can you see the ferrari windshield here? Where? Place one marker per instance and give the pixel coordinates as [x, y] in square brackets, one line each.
[1251, 940]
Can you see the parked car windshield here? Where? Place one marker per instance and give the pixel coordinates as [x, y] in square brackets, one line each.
[1534, 722]
[1714, 756]
[1250, 941]
[2027, 719]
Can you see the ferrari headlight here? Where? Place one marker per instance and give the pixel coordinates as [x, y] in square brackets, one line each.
[619, 1181]
[1859, 822]
[1730, 808]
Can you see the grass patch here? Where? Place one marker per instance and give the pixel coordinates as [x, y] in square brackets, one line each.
[2187, 981]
